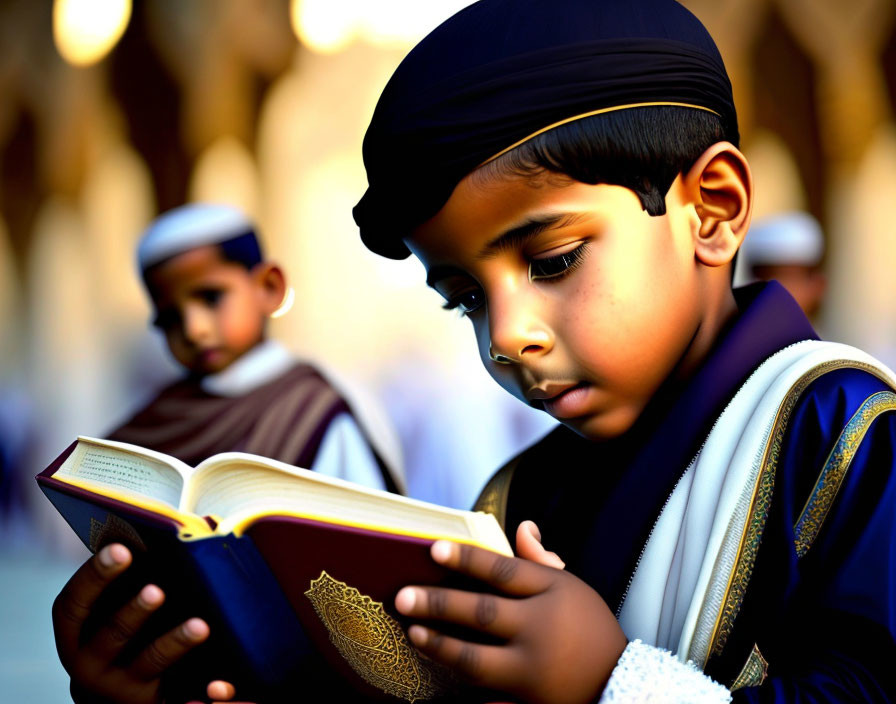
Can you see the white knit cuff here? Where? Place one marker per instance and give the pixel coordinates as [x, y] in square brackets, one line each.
[646, 673]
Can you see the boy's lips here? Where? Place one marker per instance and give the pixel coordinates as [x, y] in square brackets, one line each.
[566, 400]
[211, 355]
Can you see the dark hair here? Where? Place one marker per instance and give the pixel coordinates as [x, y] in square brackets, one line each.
[243, 250]
[642, 149]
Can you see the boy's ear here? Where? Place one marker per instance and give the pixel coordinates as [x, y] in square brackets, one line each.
[720, 186]
[271, 284]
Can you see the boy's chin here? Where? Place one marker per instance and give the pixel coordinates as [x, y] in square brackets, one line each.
[204, 368]
[601, 426]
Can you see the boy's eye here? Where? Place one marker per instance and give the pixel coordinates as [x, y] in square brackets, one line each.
[210, 296]
[556, 266]
[466, 302]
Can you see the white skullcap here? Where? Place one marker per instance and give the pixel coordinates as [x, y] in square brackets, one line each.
[189, 227]
[788, 238]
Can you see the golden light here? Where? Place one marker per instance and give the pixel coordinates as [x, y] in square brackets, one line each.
[326, 26]
[86, 30]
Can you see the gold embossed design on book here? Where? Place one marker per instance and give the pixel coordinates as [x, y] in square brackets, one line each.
[373, 642]
[114, 530]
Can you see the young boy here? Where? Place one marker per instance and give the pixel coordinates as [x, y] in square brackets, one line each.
[212, 292]
[723, 485]
[787, 247]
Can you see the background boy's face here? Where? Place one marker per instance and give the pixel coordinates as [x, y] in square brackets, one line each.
[594, 302]
[210, 309]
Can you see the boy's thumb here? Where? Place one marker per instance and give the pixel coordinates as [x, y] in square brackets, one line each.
[529, 547]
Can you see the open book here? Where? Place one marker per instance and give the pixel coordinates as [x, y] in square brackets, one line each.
[282, 561]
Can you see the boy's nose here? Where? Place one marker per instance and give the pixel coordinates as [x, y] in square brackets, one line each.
[515, 332]
[198, 325]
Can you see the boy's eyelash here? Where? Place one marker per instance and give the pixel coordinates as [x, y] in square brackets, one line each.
[539, 269]
[556, 267]
[457, 303]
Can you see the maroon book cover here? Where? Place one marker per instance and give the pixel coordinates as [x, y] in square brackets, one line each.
[342, 581]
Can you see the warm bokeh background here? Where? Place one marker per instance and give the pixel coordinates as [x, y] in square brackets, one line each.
[111, 113]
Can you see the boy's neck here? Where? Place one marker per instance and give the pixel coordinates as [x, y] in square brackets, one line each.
[257, 366]
[715, 320]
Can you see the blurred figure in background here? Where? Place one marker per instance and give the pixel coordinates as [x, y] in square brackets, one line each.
[212, 292]
[15, 434]
[789, 248]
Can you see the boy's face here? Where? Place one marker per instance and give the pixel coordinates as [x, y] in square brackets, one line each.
[210, 309]
[592, 302]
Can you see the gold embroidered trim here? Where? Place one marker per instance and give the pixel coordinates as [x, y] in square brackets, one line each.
[373, 642]
[493, 498]
[592, 113]
[754, 671]
[761, 501]
[819, 503]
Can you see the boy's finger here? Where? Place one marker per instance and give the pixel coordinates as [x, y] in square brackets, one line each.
[487, 613]
[111, 639]
[72, 607]
[219, 689]
[489, 666]
[509, 574]
[164, 651]
[529, 547]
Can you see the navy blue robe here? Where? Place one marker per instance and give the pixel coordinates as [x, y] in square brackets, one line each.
[825, 620]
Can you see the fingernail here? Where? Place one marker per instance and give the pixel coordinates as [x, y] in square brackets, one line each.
[150, 596]
[533, 530]
[195, 628]
[405, 600]
[417, 634]
[112, 555]
[441, 550]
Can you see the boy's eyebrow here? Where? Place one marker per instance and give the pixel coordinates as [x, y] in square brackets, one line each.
[534, 225]
[514, 237]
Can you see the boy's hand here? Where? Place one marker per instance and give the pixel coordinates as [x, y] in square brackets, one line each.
[93, 664]
[557, 641]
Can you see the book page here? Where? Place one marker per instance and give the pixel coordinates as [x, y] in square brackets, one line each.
[235, 489]
[110, 467]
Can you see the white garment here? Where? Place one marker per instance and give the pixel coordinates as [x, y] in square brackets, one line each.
[648, 674]
[346, 454]
[679, 586]
[344, 451]
[263, 363]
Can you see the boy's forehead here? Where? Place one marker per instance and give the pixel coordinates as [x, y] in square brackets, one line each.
[485, 216]
[187, 269]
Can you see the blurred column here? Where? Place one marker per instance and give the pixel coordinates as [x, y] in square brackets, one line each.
[846, 40]
[64, 355]
[733, 25]
[225, 172]
[776, 178]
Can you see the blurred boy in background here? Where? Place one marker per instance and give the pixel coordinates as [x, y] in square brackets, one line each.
[787, 247]
[212, 292]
